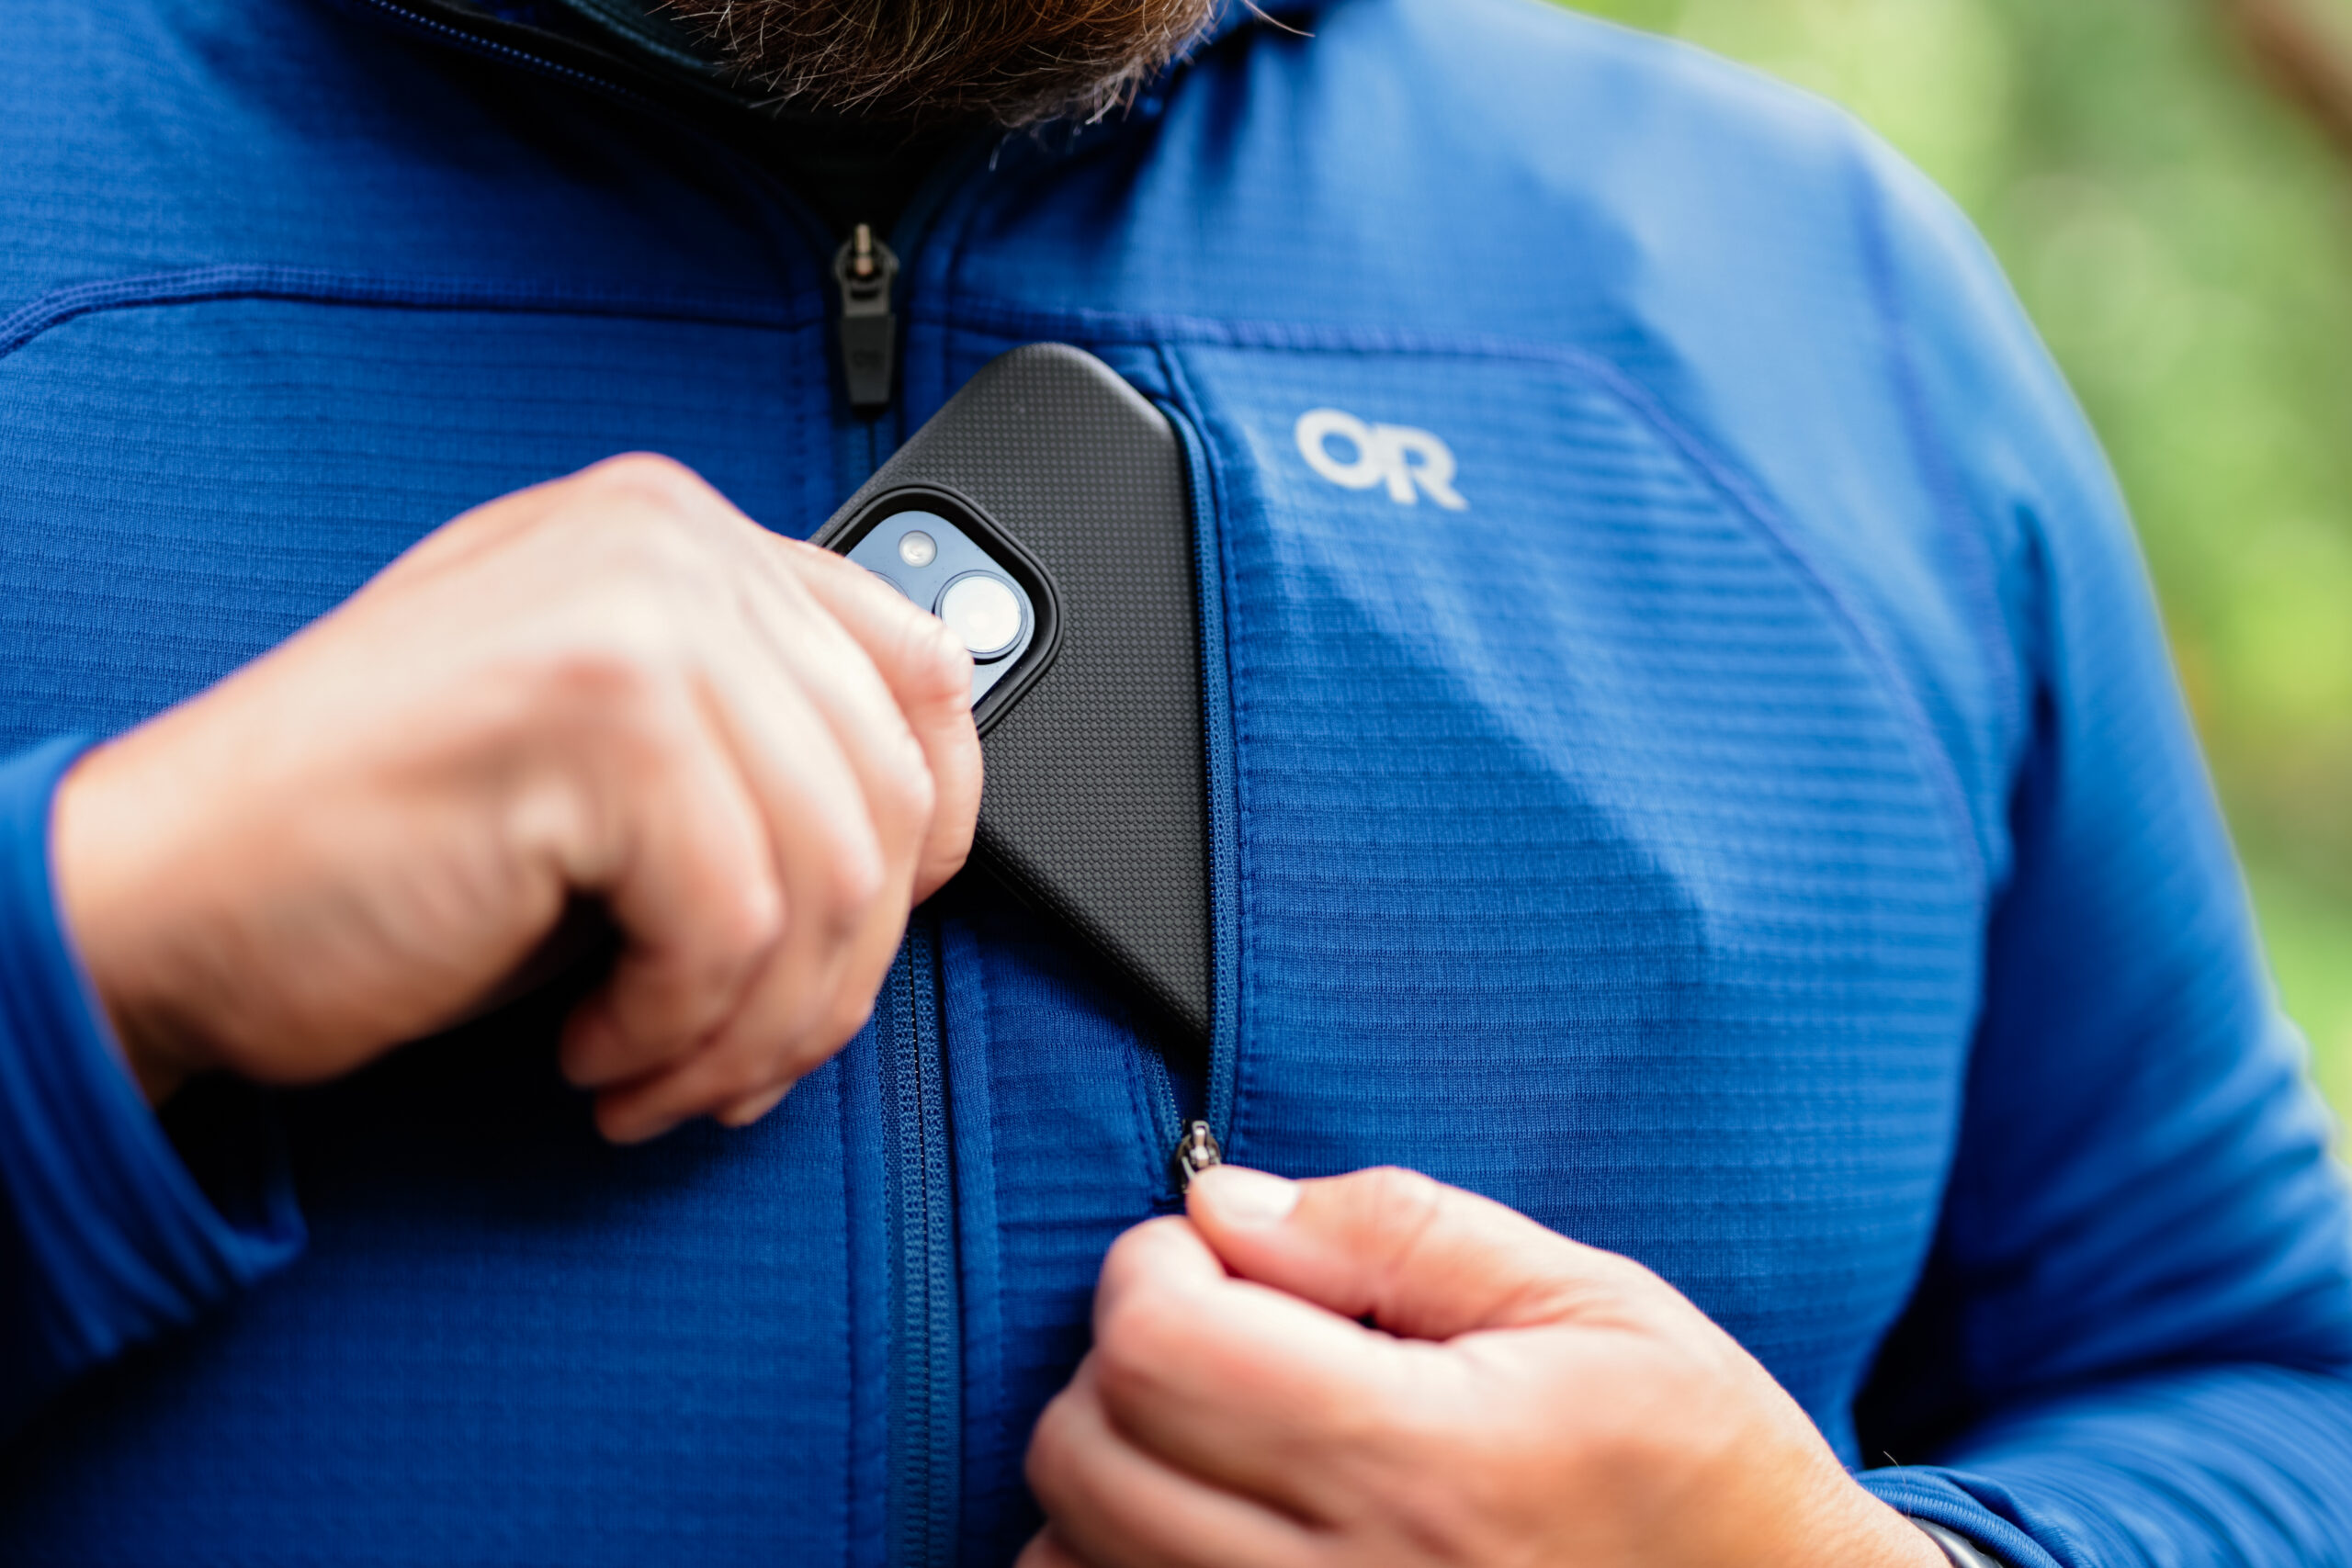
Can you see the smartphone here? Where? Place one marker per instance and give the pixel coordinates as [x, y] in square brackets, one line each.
[1046, 515]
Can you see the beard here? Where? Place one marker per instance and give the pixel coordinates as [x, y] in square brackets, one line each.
[1015, 63]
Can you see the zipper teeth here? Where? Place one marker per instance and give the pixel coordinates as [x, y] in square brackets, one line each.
[1222, 785]
[925, 1479]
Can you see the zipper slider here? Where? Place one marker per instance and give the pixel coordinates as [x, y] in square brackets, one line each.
[1196, 1151]
[865, 269]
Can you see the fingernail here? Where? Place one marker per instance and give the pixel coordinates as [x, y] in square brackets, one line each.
[1243, 1197]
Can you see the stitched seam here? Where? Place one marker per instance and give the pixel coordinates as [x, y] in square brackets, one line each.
[1938, 476]
[1736, 488]
[1149, 328]
[983, 1009]
[490, 49]
[788, 253]
[208, 284]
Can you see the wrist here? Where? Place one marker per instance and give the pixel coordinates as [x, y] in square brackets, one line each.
[1887, 1539]
[97, 844]
[1832, 1518]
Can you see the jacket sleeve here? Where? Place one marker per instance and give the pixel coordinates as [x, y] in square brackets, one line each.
[106, 1239]
[2133, 1343]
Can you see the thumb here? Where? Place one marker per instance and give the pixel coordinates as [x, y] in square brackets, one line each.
[1419, 1259]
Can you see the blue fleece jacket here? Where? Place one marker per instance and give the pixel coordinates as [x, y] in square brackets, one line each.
[1692, 756]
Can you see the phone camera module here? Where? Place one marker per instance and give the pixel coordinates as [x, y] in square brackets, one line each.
[984, 612]
[917, 547]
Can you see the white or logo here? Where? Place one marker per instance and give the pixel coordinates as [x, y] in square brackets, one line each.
[1412, 463]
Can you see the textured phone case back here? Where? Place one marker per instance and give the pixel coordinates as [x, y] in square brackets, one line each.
[1095, 808]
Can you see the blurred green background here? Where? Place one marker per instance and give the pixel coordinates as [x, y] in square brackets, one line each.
[2177, 217]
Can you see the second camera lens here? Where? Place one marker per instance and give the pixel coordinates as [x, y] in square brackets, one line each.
[984, 612]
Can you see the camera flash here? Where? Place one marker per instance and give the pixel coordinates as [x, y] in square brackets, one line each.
[917, 547]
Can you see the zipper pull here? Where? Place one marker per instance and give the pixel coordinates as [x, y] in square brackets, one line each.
[865, 269]
[1196, 1151]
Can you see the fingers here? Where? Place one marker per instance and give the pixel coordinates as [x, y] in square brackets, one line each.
[818, 710]
[841, 790]
[743, 1113]
[1228, 1345]
[847, 855]
[930, 674]
[1567, 1408]
[681, 856]
[1421, 1259]
[1114, 1505]
[1047, 1549]
[1238, 1384]
[613, 686]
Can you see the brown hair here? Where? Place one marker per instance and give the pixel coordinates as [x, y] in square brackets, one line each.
[1013, 61]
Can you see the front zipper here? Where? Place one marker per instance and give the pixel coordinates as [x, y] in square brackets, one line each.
[926, 1393]
[926, 1372]
[926, 1428]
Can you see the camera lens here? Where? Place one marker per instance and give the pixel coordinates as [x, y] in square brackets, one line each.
[917, 547]
[984, 612]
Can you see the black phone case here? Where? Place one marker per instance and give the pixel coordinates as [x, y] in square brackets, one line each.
[1095, 810]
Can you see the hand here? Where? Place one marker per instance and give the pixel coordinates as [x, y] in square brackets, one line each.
[1524, 1400]
[614, 685]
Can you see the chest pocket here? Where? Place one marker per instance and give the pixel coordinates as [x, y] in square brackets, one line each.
[1586, 857]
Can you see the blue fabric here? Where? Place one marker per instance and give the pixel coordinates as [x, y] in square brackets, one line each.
[108, 1238]
[1758, 832]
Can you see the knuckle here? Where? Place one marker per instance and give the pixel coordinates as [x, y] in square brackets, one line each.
[1054, 1446]
[749, 926]
[752, 1078]
[737, 1076]
[1399, 1201]
[910, 792]
[610, 687]
[799, 558]
[647, 479]
[1137, 1259]
[938, 666]
[666, 574]
[1133, 1341]
[854, 881]
[850, 1014]
[1400, 1208]
[1126, 1264]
